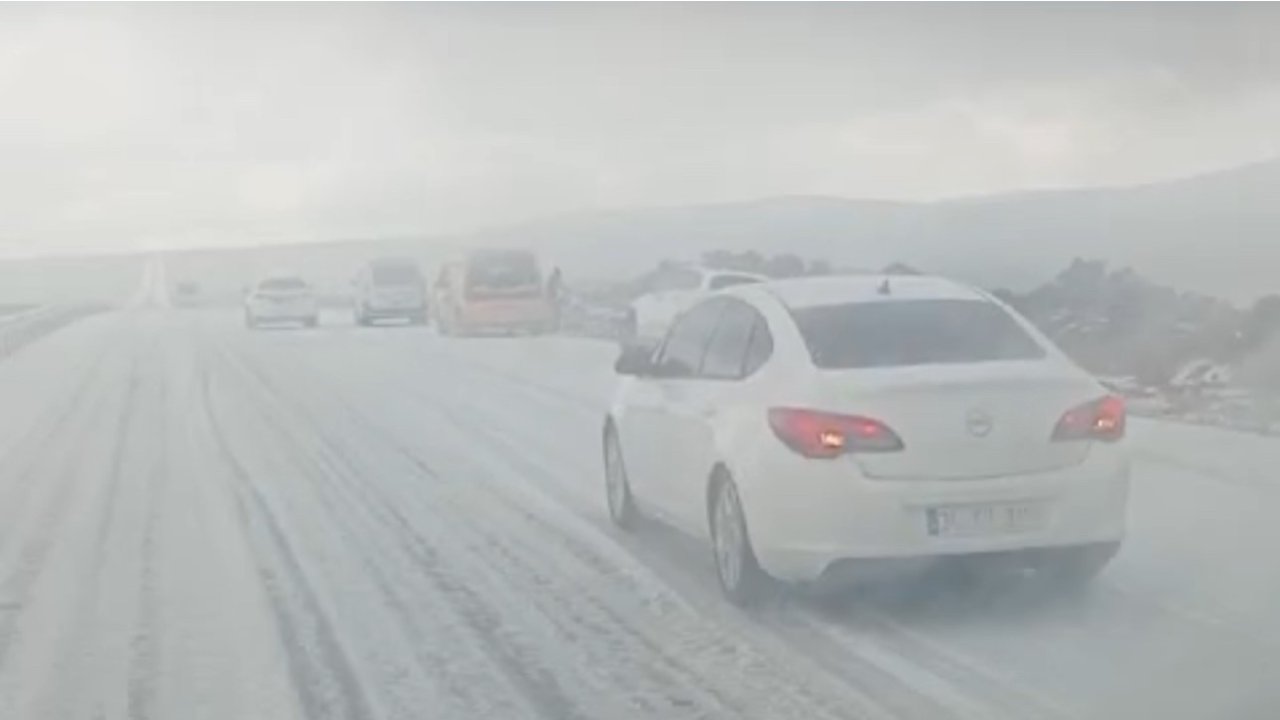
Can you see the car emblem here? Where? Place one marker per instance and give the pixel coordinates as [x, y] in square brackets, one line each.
[978, 423]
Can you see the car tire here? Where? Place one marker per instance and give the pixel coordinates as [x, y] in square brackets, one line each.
[622, 507]
[743, 582]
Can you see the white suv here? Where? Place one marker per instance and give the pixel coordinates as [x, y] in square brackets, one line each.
[806, 426]
[390, 288]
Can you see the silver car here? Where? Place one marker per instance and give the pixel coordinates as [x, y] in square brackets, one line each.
[281, 298]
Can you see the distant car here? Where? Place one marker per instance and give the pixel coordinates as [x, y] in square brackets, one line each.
[390, 288]
[672, 291]
[186, 294]
[281, 298]
[808, 427]
[494, 291]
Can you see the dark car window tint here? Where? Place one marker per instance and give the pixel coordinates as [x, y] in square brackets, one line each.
[396, 275]
[728, 348]
[675, 279]
[682, 352]
[502, 270]
[723, 281]
[912, 332]
[760, 348]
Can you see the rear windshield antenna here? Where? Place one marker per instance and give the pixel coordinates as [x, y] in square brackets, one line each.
[884, 288]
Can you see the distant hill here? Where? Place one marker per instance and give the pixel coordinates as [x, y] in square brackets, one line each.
[1217, 233]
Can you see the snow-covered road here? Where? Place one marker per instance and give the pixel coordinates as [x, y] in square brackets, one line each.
[201, 522]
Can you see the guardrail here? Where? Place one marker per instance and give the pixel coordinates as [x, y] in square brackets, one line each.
[23, 328]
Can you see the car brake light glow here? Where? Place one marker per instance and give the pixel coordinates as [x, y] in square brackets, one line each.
[1102, 419]
[817, 434]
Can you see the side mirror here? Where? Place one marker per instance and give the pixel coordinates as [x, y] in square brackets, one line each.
[635, 360]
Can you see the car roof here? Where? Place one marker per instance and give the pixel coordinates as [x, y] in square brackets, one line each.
[841, 289]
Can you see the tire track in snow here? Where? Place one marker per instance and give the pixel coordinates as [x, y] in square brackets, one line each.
[535, 683]
[144, 647]
[27, 562]
[323, 676]
[607, 621]
[893, 665]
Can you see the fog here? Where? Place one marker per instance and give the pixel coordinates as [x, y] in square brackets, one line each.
[684, 361]
[132, 127]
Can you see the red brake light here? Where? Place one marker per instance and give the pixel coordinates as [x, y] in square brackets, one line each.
[818, 434]
[1102, 419]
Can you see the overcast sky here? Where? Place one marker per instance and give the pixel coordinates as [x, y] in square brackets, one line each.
[126, 126]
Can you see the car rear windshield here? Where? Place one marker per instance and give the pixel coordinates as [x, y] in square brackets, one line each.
[503, 271]
[396, 275]
[283, 284]
[912, 332]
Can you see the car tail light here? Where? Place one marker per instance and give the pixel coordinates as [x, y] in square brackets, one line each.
[1101, 419]
[818, 434]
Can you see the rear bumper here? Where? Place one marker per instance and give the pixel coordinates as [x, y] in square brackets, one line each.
[287, 313]
[401, 311]
[506, 317]
[827, 513]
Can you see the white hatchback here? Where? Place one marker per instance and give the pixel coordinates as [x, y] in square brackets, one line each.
[805, 427]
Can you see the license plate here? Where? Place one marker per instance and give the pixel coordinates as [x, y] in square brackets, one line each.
[983, 520]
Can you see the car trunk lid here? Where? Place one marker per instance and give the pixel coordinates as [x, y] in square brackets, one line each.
[959, 422]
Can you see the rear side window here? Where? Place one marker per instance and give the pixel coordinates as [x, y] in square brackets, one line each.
[723, 281]
[760, 349]
[686, 343]
[286, 283]
[912, 332]
[728, 349]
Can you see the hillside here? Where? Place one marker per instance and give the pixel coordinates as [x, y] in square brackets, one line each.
[1217, 233]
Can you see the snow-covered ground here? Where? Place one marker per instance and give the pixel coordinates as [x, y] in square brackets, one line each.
[202, 522]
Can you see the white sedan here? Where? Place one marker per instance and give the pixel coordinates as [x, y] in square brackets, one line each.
[281, 298]
[806, 427]
[673, 290]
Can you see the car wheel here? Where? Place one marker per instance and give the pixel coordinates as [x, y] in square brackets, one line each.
[741, 578]
[622, 509]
